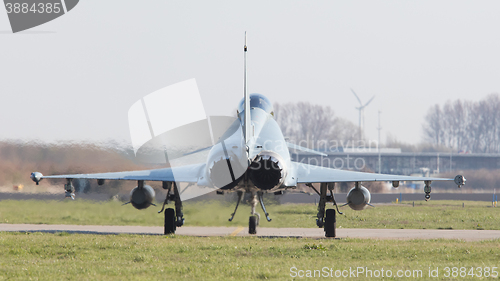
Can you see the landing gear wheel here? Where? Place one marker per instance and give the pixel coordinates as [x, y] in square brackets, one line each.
[330, 223]
[170, 221]
[252, 225]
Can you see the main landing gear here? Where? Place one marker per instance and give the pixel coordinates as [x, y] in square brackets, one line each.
[173, 218]
[253, 221]
[326, 218]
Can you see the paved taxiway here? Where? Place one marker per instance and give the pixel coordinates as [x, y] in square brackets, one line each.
[467, 235]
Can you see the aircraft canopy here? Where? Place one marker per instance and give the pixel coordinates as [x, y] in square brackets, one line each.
[257, 101]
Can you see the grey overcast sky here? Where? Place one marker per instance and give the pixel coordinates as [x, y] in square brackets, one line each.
[75, 77]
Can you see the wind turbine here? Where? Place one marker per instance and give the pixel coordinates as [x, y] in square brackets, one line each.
[361, 110]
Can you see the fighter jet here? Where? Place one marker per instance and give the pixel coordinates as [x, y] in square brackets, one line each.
[252, 157]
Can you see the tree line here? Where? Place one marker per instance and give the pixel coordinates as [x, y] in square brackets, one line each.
[20, 158]
[303, 121]
[465, 126]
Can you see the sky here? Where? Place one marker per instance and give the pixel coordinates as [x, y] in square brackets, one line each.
[75, 78]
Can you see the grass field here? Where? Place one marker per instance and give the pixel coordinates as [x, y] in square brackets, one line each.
[45, 256]
[118, 257]
[430, 215]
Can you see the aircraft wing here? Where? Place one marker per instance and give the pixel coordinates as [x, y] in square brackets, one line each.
[315, 174]
[188, 173]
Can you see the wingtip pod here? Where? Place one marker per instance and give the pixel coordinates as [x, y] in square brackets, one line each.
[36, 177]
[459, 180]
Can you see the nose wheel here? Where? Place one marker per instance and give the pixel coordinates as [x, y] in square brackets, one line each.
[252, 224]
[254, 219]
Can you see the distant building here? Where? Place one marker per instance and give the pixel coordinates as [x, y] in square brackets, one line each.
[401, 163]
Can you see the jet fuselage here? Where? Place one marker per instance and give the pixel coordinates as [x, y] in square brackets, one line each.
[263, 163]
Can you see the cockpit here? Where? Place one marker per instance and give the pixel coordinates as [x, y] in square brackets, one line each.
[257, 101]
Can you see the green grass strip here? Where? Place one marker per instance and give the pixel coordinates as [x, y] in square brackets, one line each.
[43, 256]
[429, 215]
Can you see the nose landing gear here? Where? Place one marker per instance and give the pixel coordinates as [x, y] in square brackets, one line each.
[254, 220]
